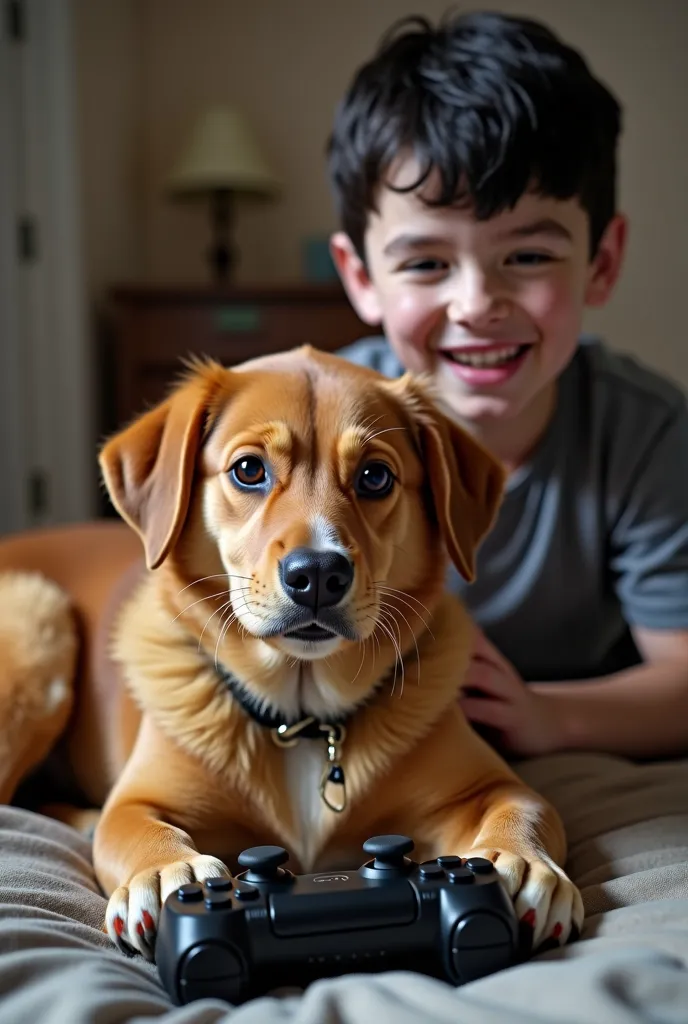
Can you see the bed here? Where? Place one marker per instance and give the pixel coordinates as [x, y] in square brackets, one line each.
[628, 832]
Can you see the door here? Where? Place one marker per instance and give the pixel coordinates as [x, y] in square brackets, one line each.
[46, 473]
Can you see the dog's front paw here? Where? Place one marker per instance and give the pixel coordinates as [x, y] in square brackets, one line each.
[545, 898]
[133, 910]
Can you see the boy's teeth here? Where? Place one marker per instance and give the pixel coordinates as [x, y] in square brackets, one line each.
[494, 357]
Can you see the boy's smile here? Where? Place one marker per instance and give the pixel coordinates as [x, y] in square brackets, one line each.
[491, 309]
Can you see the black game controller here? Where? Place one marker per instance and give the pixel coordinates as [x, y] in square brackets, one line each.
[267, 928]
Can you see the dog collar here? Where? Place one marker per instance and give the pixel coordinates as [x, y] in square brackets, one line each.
[286, 732]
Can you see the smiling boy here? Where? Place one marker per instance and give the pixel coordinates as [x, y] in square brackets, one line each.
[474, 167]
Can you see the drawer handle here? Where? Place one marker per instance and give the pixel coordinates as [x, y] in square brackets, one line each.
[237, 319]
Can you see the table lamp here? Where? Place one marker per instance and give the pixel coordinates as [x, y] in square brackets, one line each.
[220, 162]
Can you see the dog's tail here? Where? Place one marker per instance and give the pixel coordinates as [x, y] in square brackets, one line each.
[38, 655]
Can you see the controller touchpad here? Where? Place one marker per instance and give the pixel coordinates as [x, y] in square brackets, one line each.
[338, 901]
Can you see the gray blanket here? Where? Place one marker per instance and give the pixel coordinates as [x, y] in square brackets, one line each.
[628, 830]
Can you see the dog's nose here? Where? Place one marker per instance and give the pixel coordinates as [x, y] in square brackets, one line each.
[316, 579]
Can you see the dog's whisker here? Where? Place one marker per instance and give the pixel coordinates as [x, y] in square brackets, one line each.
[221, 609]
[382, 585]
[385, 430]
[207, 622]
[370, 422]
[398, 659]
[360, 666]
[414, 641]
[210, 597]
[393, 595]
[390, 613]
[215, 576]
[386, 619]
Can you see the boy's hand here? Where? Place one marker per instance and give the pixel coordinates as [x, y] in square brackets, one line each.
[494, 695]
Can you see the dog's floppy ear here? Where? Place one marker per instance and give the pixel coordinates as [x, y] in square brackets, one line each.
[467, 482]
[148, 467]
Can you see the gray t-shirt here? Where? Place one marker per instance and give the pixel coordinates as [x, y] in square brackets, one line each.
[592, 535]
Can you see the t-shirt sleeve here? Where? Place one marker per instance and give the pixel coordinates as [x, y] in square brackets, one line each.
[373, 353]
[649, 535]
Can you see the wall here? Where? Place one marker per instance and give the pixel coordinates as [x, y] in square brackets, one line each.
[286, 64]
[108, 44]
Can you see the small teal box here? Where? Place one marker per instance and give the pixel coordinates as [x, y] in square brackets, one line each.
[317, 262]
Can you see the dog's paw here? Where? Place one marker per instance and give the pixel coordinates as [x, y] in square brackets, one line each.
[546, 900]
[133, 910]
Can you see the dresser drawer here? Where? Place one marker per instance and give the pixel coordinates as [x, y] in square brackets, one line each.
[154, 329]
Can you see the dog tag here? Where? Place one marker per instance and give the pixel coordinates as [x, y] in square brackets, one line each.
[332, 782]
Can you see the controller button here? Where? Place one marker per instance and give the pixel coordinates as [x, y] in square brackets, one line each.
[450, 862]
[219, 884]
[480, 865]
[431, 871]
[217, 900]
[243, 891]
[460, 876]
[190, 892]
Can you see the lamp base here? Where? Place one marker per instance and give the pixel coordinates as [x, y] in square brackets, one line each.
[223, 257]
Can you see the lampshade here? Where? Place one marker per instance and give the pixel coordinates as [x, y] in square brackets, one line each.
[221, 154]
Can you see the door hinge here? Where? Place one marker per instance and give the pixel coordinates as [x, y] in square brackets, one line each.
[38, 493]
[27, 241]
[15, 20]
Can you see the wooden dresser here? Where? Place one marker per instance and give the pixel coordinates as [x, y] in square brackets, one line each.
[150, 329]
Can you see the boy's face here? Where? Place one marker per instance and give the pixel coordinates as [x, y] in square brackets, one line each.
[492, 310]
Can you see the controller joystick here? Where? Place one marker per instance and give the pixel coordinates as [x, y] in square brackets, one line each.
[389, 855]
[263, 865]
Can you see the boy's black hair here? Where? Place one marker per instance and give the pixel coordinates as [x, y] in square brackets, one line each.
[493, 104]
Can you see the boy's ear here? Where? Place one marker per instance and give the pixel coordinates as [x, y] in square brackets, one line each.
[605, 267]
[466, 481]
[354, 275]
[148, 467]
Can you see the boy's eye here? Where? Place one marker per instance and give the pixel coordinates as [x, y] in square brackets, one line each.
[529, 259]
[425, 266]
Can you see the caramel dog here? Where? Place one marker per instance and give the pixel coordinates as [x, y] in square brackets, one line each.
[291, 657]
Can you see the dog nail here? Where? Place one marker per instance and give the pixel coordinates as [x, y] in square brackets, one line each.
[575, 933]
[547, 946]
[148, 921]
[139, 930]
[557, 930]
[118, 925]
[529, 918]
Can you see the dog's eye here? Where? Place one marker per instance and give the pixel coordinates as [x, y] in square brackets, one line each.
[374, 480]
[249, 471]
